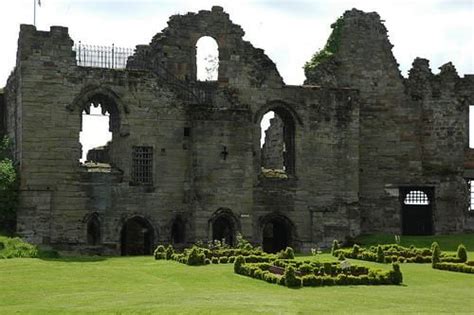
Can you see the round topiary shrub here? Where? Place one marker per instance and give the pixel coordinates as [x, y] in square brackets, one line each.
[215, 260]
[396, 274]
[462, 253]
[223, 260]
[160, 252]
[196, 257]
[207, 261]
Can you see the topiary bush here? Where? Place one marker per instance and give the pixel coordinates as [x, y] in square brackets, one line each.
[380, 254]
[335, 246]
[196, 257]
[436, 256]
[160, 252]
[169, 252]
[239, 261]
[291, 280]
[462, 253]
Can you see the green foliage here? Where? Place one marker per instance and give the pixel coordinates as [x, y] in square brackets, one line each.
[457, 267]
[17, 248]
[288, 253]
[291, 280]
[436, 256]
[331, 47]
[462, 253]
[8, 186]
[396, 274]
[169, 252]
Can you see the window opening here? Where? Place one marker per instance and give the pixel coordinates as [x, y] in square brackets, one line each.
[277, 144]
[207, 59]
[471, 194]
[416, 197]
[142, 165]
[95, 134]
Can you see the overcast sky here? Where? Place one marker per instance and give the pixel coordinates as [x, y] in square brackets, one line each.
[289, 31]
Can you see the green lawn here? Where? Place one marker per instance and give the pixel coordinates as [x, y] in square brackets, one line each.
[143, 285]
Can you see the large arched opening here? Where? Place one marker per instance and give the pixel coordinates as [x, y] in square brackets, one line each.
[99, 122]
[137, 237]
[277, 141]
[277, 233]
[224, 226]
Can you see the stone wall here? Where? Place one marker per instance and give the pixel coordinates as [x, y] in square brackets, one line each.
[356, 139]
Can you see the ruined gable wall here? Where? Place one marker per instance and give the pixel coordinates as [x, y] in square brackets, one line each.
[172, 52]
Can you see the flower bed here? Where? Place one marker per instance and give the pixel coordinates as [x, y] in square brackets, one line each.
[296, 274]
[391, 253]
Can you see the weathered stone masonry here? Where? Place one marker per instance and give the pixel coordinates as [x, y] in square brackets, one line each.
[359, 137]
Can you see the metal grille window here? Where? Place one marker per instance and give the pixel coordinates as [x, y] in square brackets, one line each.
[471, 194]
[142, 165]
[416, 197]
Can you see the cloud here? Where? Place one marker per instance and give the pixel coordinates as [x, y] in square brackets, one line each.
[289, 31]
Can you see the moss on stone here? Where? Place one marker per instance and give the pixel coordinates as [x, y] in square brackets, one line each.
[331, 47]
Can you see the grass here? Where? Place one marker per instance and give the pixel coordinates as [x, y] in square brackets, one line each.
[143, 285]
[446, 242]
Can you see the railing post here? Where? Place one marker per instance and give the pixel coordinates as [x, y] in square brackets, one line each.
[79, 52]
[113, 55]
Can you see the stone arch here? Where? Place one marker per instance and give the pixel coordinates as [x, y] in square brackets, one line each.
[289, 119]
[178, 230]
[277, 231]
[93, 229]
[223, 224]
[137, 236]
[110, 101]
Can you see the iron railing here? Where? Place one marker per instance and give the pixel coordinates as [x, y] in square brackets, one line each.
[102, 56]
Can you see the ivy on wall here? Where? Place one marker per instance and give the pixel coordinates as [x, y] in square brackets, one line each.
[8, 187]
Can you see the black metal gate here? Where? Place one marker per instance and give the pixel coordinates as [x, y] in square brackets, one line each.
[417, 210]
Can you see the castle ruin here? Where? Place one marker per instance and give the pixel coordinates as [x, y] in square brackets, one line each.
[357, 149]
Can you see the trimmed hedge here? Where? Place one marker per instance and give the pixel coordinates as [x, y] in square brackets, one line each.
[297, 274]
[391, 253]
[197, 256]
[457, 267]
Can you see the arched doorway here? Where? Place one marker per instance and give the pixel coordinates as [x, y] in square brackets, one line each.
[178, 231]
[224, 226]
[417, 211]
[277, 233]
[137, 237]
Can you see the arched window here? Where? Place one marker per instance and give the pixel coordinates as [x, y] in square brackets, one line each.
[277, 142]
[93, 230]
[207, 59]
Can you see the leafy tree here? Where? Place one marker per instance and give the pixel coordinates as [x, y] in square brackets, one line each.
[8, 187]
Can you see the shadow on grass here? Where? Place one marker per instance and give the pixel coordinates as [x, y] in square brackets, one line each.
[76, 258]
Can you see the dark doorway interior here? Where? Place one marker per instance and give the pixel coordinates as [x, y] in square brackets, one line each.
[417, 210]
[276, 235]
[93, 231]
[223, 229]
[137, 237]
[178, 231]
